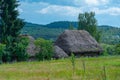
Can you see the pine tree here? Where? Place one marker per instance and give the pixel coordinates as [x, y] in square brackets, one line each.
[10, 26]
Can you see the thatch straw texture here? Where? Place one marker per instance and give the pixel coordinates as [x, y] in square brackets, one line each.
[77, 41]
[59, 53]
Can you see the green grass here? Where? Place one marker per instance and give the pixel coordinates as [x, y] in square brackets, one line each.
[62, 69]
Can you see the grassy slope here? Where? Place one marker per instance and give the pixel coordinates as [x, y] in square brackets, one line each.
[62, 69]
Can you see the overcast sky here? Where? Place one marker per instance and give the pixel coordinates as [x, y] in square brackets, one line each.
[46, 11]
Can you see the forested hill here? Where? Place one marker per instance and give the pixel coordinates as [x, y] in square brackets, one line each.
[59, 24]
[110, 34]
[62, 24]
[33, 25]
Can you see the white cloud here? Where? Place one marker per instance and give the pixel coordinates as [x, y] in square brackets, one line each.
[71, 11]
[61, 10]
[111, 11]
[28, 7]
[91, 2]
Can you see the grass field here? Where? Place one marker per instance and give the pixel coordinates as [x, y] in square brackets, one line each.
[100, 68]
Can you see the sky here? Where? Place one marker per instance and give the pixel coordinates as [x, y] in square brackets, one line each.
[47, 11]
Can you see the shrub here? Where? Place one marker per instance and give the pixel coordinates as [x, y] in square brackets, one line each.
[21, 47]
[117, 49]
[19, 51]
[108, 49]
[46, 49]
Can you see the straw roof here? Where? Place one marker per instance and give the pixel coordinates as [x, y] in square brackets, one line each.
[31, 46]
[59, 53]
[77, 41]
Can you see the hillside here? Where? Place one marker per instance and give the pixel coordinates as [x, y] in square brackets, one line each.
[110, 35]
[41, 31]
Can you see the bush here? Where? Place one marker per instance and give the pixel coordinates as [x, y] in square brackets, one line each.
[46, 49]
[117, 49]
[2, 49]
[21, 47]
[18, 52]
[108, 49]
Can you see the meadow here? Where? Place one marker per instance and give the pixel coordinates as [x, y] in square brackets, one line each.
[97, 68]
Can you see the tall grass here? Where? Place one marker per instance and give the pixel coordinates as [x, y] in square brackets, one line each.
[104, 76]
[63, 69]
[73, 63]
[84, 69]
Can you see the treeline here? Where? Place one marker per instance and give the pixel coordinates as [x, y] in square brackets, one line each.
[109, 34]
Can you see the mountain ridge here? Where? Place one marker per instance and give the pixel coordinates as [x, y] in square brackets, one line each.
[65, 23]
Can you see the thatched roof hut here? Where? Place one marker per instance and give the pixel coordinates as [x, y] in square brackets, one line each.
[79, 42]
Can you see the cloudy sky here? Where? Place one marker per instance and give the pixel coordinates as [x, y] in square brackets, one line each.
[46, 11]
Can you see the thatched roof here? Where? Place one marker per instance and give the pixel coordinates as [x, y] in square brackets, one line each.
[31, 46]
[77, 41]
[59, 53]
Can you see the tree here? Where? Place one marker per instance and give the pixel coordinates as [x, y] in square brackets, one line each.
[46, 49]
[87, 21]
[10, 26]
[71, 27]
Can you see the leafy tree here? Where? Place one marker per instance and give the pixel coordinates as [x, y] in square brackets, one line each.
[87, 21]
[10, 26]
[46, 49]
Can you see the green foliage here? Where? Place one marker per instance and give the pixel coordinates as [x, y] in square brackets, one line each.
[88, 22]
[111, 49]
[6, 57]
[110, 35]
[108, 49]
[61, 24]
[44, 32]
[98, 36]
[21, 47]
[10, 26]
[2, 49]
[10, 23]
[46, 49]
[117, 49]
[20, 51]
